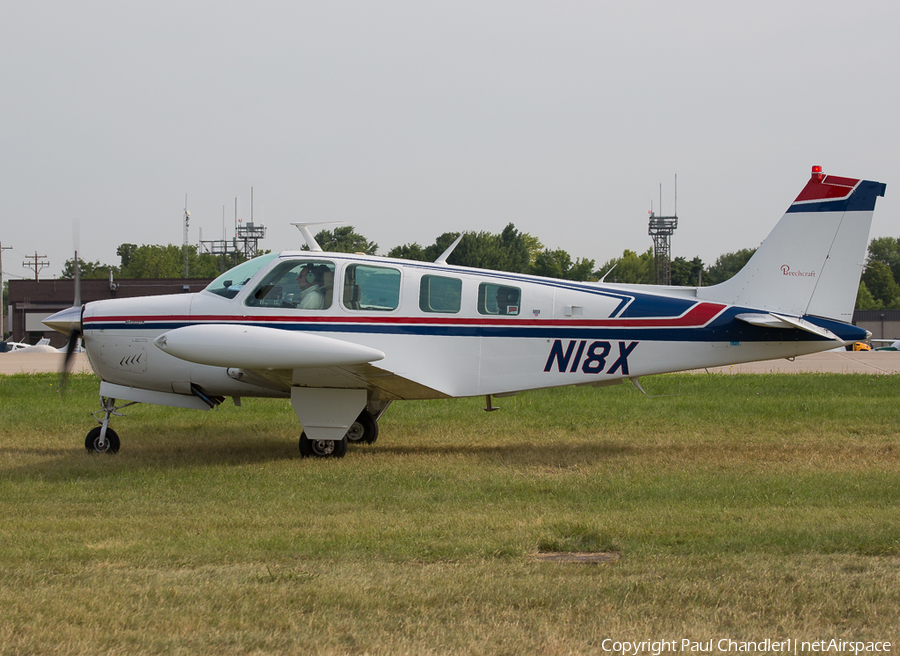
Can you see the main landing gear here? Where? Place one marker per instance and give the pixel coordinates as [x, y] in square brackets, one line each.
[322, 448]
[362, 431]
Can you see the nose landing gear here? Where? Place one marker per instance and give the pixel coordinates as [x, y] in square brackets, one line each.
[102, 438]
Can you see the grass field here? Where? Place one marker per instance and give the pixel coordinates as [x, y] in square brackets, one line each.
[748, 507]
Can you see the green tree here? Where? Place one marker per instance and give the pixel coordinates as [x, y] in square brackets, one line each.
[630, 268]
[865, 300]
[408, 252]
[684, 273]
[727, 265]
[125, 253]
[881, 284]
[558, 264]
[87, 270]
[344, 239]
[510, 250]
[887, 251]
[155, 261]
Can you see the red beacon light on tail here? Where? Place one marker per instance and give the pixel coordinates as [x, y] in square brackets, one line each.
[817, 173]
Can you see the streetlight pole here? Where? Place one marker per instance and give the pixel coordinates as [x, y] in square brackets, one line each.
[2, 248]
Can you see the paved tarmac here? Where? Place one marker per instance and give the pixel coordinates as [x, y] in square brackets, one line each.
[840, 362]
[833, 362]
[35, 363]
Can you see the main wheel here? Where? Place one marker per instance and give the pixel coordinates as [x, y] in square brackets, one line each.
[322, 448]
[364, 429]
[91, 442]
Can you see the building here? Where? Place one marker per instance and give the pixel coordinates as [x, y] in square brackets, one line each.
[32, 301]
[883, 324]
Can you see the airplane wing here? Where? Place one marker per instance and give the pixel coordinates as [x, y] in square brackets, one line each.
[268, 356]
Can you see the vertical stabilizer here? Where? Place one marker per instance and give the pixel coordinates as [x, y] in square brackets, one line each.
[811, 263]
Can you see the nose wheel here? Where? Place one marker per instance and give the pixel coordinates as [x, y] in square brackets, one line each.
[103, 439]
[95, 442]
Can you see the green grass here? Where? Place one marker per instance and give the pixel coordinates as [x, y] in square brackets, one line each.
[744, 507]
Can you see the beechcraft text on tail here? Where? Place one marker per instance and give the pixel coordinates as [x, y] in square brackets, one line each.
[343, 336]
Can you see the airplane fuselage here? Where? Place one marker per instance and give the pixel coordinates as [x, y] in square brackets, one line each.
[455, 341]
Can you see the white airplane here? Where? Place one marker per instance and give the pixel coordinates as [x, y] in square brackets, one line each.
[342, 335]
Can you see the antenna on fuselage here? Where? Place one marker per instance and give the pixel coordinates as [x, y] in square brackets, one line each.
[443, 258]
[603, 278]
[303, 227]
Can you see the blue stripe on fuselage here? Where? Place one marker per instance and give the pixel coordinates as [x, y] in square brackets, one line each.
[724, 328]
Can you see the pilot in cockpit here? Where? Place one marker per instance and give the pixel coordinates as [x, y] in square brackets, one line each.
[309, 280]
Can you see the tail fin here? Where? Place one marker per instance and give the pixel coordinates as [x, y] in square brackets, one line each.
[811, 263]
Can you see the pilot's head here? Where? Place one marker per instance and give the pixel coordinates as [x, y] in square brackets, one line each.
[308, 276]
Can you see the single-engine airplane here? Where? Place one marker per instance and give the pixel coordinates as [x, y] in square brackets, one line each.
[344, 335]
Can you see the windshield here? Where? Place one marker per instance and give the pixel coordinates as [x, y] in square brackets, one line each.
[232, 281]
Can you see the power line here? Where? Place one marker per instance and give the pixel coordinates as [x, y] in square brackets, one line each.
[37, 265]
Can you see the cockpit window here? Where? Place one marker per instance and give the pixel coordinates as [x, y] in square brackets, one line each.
[230, 283]
[498, 299]
[303, 284]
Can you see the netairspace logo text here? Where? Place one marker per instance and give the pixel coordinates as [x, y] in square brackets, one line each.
[727, 645]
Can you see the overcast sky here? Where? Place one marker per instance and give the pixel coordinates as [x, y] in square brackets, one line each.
[411, 119]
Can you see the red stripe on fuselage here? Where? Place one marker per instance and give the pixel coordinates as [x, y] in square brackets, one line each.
[699, 315]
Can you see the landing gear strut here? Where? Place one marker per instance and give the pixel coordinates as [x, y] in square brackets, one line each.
[103, 439]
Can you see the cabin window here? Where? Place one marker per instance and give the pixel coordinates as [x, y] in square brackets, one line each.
[440, 294]
[498, 299]
[301, 284]
[230, 283]
[371, 288]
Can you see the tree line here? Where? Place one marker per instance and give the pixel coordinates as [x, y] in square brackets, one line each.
[509, 250]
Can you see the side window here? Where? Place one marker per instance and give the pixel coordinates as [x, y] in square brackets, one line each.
[440, 294]
[498, 299]
[304, 284]
[371, 288]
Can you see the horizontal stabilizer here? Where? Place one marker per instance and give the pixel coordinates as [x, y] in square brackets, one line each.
[772, 320]
[260, 348]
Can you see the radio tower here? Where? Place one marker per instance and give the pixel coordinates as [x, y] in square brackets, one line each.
[661, 229]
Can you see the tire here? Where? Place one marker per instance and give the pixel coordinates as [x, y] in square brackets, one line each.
[322, 448]
[93, 436]
[364, 430]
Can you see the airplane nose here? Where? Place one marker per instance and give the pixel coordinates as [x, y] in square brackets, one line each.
[65, 321]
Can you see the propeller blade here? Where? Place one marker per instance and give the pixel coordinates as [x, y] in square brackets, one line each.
[71, 347]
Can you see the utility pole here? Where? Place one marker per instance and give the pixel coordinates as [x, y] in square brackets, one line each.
[37, 265]
[2, 248]
[184, 248]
